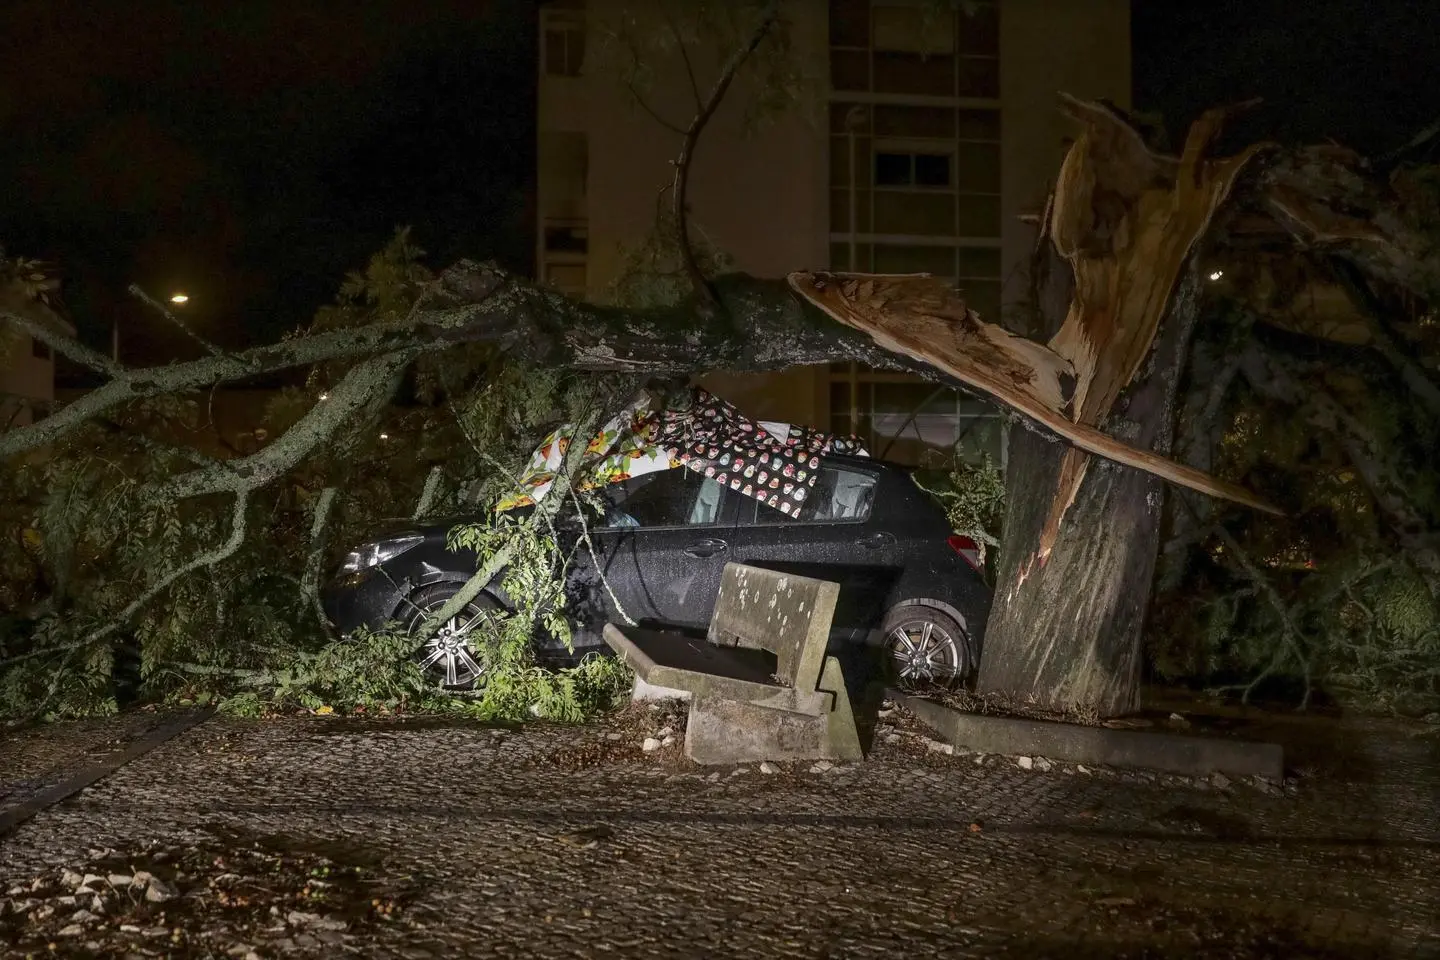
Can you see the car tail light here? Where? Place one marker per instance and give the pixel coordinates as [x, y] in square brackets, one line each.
[968, 549]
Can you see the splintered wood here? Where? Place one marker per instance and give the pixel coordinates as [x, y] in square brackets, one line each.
[1127, 221]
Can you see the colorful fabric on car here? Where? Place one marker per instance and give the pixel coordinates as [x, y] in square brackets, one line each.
[775, 463]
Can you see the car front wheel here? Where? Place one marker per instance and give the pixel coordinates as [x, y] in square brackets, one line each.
[925, 646]
[452, 655]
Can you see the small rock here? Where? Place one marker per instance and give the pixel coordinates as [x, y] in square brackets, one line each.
[768, 767]
[42, 912]
[141, 878]
[936, 746]
[1042, 764]
[297, 918]
[892, 738]
[129, 928]
[1177, 720]
[666, 732]
[1266, 787]
[73, 930]
[158, 891]
[1025, 763]
[821, 766]
[83, 916]
[119, 879]
[713, 777]
[1219, 780]
[68, 877]
[66, 901]
[979, 759]
[886, 713]
[650, 745]
[16, 891]
[668, 741]
[613, 736]
[91, 878]
[1081, 768]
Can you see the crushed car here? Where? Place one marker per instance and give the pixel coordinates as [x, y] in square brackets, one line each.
[686, 488]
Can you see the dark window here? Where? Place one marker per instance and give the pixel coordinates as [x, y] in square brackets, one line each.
[567, 239]
[892, 169]
[912, 169]
[840, 494]
[564, 48]
[668, 498]
[932, 170]
[39, 350]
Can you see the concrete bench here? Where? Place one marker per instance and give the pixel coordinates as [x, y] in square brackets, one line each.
[761, 686]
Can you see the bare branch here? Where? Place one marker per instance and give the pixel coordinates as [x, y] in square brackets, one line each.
[181, 325]
[319, 525]
[703, 289]
[685, 57]
[64, 345]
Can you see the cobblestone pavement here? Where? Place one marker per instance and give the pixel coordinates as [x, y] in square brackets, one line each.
[572, 842]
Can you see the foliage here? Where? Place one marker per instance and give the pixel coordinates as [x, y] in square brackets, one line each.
[94, 529]
[973, 495]
[1332, 597]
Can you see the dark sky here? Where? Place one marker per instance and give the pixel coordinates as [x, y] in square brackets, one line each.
[253, 155]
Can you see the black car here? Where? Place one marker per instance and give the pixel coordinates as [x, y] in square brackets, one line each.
[907, 582]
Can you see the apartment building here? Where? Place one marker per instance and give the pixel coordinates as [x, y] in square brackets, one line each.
[928, 130]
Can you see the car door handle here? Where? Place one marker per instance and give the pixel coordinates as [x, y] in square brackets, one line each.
[876, 540]
[707, 548]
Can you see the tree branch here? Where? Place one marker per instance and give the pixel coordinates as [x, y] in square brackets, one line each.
[708, 297]
[183, 327]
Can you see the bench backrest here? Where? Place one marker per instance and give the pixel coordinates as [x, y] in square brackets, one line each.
[787, 615]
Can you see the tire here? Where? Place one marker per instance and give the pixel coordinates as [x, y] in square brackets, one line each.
[454, 657]
[926, 647]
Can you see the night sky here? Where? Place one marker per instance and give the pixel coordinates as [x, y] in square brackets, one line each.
[253, 156]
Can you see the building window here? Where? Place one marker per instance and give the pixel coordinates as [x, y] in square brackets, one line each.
[913, 421]
[912, 169]
[40, 350]
[916, 47]
[563, 47]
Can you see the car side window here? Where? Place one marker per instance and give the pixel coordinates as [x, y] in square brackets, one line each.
[841, 494]
[838, 494]
[667, 498]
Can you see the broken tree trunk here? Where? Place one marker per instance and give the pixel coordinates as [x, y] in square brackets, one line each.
[1081, 536]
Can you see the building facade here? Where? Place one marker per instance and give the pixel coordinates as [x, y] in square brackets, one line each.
[925, 132]
[27, 382]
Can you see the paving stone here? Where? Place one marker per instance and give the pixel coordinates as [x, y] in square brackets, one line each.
[908, 855]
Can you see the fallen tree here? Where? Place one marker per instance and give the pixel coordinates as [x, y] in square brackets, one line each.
[1123, 244]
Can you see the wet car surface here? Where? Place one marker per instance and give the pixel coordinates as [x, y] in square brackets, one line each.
[907, 582]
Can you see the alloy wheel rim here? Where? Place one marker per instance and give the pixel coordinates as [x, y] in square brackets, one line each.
[450, 653]
[925, 652]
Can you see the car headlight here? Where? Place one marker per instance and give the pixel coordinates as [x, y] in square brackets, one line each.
[373, 554]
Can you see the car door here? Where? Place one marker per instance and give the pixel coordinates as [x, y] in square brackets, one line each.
[666, 543]
[838, 536]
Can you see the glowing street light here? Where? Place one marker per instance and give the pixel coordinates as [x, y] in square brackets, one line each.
[179, 298]
[1216, 274]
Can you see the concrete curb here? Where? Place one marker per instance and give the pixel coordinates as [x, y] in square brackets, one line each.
[1191, 756]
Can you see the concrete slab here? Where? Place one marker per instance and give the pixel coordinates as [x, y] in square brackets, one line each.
[643, 691]
[1188, 755]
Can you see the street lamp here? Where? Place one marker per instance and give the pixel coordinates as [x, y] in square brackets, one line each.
[179, 298]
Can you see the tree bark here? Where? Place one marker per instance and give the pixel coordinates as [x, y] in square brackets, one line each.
[1078, 555]
[1067, 634]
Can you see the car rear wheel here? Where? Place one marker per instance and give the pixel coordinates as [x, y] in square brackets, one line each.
[925, 646]
[452, 657]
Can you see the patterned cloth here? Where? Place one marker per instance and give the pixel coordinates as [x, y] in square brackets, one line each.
[775, 463]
